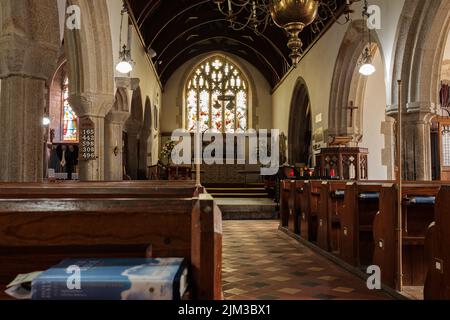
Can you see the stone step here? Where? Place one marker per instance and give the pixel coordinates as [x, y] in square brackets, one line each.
[247, 209]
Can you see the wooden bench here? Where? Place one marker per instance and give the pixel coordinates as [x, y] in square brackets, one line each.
[358, 224]
[417, 214]
[335, 195]
[362, 203]
[285, 193]
[437, 283]
[302, 204]
[78, 190]
[38, 233]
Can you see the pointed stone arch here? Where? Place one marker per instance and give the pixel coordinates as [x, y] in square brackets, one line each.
[91, 75]
[133, 127]
[300, 126]
[348, 85]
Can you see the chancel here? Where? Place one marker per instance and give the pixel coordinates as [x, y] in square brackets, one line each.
[321, 172]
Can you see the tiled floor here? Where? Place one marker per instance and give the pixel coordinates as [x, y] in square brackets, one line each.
[261, 263]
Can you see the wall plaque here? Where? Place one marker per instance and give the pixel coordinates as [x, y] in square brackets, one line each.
[87, 140]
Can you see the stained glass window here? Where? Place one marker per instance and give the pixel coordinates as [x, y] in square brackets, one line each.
[217, 97]
[70, 119]
[446, 145]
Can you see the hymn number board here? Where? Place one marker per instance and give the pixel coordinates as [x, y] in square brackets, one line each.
[87, 140]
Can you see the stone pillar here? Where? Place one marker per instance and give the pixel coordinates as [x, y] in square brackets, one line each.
[114, 124]
[114, 127]
[94, 170]
[417, 146]
[29, 43]
[21, 132]
[93, 107]
[388, 154]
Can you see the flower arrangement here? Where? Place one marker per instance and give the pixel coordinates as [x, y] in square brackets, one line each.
[166, 152]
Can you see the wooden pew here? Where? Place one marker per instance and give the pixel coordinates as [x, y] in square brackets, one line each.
[292, 208]
[361, 203]
[335, 196]
[78, 190]
[38, 233]
[285, 194]
[320, 196]
[302, 204]
[315, 194]
[418, 213]
[437, 284]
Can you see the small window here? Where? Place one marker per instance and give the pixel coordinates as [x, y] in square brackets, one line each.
[70, 119]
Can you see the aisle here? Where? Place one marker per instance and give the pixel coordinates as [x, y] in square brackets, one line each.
[261, 263]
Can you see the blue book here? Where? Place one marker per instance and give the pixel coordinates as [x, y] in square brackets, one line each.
[113, 279]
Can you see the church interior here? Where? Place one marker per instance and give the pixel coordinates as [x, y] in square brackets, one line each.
[281, 149]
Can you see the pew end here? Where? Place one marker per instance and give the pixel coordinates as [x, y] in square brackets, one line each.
[36, 234]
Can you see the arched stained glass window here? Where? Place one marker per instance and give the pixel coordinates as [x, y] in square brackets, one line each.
[217, 97]
[70, 119]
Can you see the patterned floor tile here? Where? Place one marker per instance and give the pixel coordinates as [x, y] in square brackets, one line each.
[236, 291]
[261, 263]
[279, 279]
[327, 278]
[344, 290]
[289, 290]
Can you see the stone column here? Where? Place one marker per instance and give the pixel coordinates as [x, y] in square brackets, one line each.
[417, 146]
[388, 154]
[114, 123]
[29, 43]
[21, 131]
[93, 107]
[114, 127]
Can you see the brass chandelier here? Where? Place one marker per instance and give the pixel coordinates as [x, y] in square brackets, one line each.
[291, 15]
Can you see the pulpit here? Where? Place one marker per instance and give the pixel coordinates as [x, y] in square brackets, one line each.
[343, 163]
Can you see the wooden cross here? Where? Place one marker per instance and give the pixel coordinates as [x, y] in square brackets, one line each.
[352, 108]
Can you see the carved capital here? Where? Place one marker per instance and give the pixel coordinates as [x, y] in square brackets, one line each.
[29, 38]
[91, 104]
[127, 83]
[421, 107]
[117, 117]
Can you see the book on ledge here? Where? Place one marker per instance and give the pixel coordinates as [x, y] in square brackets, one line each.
[113, 279]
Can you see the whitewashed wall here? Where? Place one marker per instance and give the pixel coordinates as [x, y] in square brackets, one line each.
[143, 70]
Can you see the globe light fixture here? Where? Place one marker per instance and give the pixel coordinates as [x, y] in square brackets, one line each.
[46, 121]
[367, 68]
[125, 64]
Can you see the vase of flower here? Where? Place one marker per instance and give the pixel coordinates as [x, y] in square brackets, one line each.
[166, 152]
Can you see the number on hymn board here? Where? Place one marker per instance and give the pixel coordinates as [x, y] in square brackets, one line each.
[87, 140]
